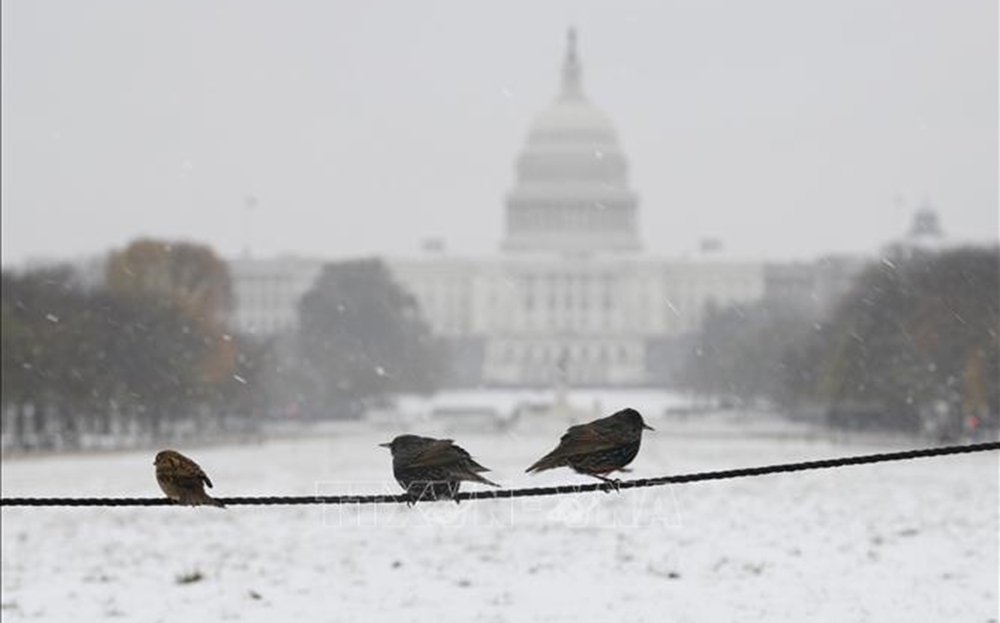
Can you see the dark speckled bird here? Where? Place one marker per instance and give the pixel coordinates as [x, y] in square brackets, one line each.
[598, 448]
[183, 480]
[432, 469]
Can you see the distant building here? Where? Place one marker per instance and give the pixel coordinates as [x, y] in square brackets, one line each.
[589, 320]
[926, 226]
[813, 287]
[925, 235]
[267, 292]
[571, 296]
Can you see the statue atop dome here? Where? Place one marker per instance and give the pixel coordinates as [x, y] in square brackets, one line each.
[572, 84]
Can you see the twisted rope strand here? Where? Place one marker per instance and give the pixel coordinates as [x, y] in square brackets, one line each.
[502, 494]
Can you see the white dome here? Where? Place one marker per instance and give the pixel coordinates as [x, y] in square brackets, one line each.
[572, 120]
[571, 192]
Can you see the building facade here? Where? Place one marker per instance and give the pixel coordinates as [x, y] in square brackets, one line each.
[571, 297]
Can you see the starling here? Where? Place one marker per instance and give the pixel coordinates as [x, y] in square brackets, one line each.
[183, 480]
[432, 469]
[599, 447]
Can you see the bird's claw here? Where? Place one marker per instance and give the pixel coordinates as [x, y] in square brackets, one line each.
[611, 483]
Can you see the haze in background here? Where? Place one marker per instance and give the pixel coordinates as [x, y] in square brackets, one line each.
[335, 129]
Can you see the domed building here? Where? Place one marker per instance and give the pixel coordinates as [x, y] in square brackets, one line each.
[571, 194]
[571, 299]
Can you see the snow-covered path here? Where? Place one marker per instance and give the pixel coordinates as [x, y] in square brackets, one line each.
[912, 541]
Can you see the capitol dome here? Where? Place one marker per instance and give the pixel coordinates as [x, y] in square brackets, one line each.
[571, 193]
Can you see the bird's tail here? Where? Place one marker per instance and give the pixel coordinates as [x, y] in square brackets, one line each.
[549, 461]
[476, 467]
[213, 502]
[203, 499]
[474, 477]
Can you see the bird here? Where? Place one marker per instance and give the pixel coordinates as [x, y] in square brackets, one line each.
[182, 480]
[598, 448]
[432, 469]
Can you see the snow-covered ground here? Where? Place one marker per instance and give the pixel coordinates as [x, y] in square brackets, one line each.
[910, 541]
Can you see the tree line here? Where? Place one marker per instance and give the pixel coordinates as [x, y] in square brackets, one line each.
[912, 346]
[146, 353]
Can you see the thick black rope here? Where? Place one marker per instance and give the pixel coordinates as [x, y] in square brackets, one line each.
[495, 494]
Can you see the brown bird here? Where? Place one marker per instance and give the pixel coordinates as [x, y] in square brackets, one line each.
[598, 448]
[432, 469]
[183, 480]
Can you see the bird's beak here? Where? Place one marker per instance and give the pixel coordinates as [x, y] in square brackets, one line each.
[648, 427]
[385, 445]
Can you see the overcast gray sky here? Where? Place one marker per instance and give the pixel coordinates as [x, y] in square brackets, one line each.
[785, 128]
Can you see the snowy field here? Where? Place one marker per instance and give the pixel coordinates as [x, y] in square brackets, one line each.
[910, 541]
